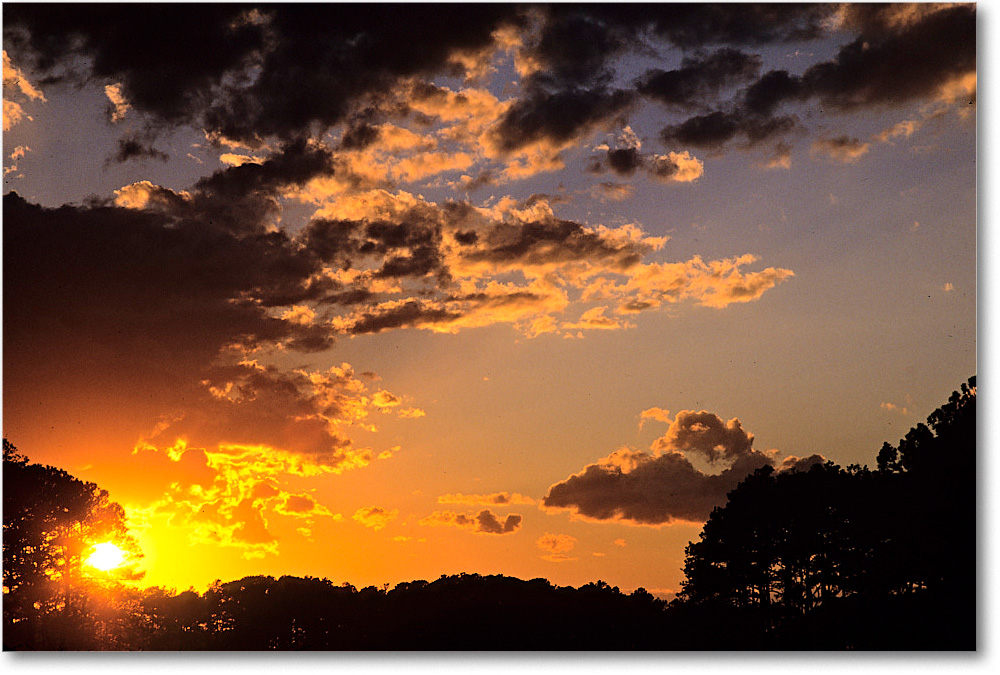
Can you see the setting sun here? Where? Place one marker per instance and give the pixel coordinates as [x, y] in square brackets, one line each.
[106, 557]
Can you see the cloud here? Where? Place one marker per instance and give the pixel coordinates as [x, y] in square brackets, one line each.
[374, 517]
[246, 75]
[673, 167]
[133, 147]
[232, 497]
[717, 283]
[676, 167]
[705, 434]
[252, 62]
[302, 414]
[662, 487]
[15, 84]
[492, 499]
[485, 522]
[595, 319]
[844, 149]
[556, 546]
[119, 105]
[18, 153]
[715, 129]
[903, 129]
[700, 78]
[658, 414]
[873, 71]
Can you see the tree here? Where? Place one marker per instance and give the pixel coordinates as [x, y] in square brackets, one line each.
[839, 558]
[51, 520]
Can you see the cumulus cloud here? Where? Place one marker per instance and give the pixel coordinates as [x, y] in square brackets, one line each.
[485, 522]
[662, 486]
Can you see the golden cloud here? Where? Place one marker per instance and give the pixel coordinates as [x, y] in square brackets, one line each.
[556, 546]
[374, 516]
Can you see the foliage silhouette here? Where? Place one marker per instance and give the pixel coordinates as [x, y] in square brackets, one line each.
[828, 558]
[50, 520]
[833, 558]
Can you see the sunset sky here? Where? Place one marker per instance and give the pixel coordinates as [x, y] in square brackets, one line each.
[382, 293]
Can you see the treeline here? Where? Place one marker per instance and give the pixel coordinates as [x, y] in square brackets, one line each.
[851, 558]
[829, 558]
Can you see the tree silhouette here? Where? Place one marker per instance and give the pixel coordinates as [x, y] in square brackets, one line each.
[834, 558]
[50, 521]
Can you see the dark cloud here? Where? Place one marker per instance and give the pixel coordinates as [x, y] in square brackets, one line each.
[133, 148]
[408, 248]
[552, 240]
[652, 490]
[141, 280]
[663, 486]
[717, 128]
[624, 161]
[278, 71]
[694, 25]
[359, 137]
[902, 53]
[560, 116]
[291, 70]
[410, 314]
[104, 303]
[485, 522]
[699, 78]
[168, 57]
[896, 60]
[889, 64]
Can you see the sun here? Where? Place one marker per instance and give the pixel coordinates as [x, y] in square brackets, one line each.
[106, 557]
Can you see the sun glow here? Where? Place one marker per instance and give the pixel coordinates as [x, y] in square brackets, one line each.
[106, 557]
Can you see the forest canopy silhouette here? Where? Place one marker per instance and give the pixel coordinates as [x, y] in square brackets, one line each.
[824, 558]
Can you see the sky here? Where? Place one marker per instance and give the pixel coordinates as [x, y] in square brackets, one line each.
[382, 293]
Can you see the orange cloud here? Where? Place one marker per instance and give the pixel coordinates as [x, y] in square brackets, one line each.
[716, 283]
[677, 167]
[594, 319]
[120, 105]
[844, 149]
[556, 546]
[374, 516]
[16, 84]
[658, 414]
